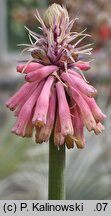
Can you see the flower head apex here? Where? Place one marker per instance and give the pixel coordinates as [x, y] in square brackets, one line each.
[57, 44]
[54, 16]
[56, 97]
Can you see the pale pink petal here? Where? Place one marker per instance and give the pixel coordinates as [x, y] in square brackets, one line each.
[58, 137]
[41, 109]
[96, 111]
[82, 65]
[78, 127]
[23, 100]
[86, 113]
[64, 111]
[28, 68]
[47, 129]
[74, 73]
[26, 112]
[29, 128]
[22, 93]
[99, 128]
[79, 84]
[40, 74]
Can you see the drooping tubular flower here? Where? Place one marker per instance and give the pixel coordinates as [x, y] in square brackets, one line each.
[56, 96]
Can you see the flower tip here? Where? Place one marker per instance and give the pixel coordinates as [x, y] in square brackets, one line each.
[39, 124]
[69, 141]
[99, 128]
[54, 15]
[80, 144]
[93, 92]
[104, 116]
[83, 65]
[27, 78]
[14, 130]
[20, 68]
[91, 125]
[7, 104]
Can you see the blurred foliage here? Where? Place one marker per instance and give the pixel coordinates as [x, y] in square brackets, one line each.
[95, 16]
[88, 173]
[22, 161]
[20, 13]
[12, 151]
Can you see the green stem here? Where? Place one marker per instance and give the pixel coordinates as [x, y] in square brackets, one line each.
[56, 171]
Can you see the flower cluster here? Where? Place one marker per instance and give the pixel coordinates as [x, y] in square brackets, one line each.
[56, 97]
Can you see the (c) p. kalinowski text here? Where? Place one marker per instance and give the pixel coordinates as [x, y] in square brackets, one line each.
[57, 207]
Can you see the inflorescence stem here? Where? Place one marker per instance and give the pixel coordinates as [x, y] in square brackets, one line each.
[56, 171]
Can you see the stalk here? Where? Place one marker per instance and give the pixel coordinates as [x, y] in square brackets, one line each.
[56, 171]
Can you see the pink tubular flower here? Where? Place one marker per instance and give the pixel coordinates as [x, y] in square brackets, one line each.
[96, 111]
[24, 92]
[26, 112]
[45, 132]
[29, 128]
[28, 68]
[87, 116]
[82, 65]
[99, 128]
[56, 97]
[58, 137]
[79, 84]
[41, 109]
[64, 113]
[78, 127]
[40, 74]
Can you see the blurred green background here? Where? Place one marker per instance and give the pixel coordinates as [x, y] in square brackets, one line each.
[23, 164]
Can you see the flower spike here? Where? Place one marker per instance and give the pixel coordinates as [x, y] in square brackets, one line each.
[56, 97]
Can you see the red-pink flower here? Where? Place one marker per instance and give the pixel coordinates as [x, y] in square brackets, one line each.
[56, 97]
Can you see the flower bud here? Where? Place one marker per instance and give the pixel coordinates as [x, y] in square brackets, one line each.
[54, 15]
